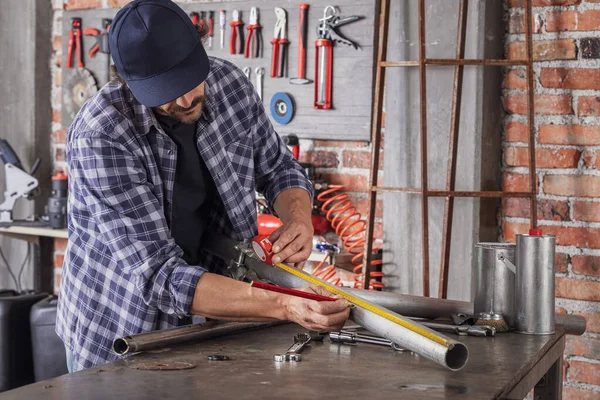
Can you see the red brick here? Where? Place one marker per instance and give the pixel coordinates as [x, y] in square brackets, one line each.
[544, 3]
[585, 372]
[571, 78]
[59, 155]
[514, 182]
[565, 236]
[357, 159]
[572, 20]
[362, 207]
[593, 321]
[586, 211]
[340, 143]
[352, 183]
[559, 49]
[59, 136]
[517, 132]
[117, 3]
[378, 230]
[547, 104]
[544, 158]
[57, 43]
[577, 135]
[577, 289]
[56, 116]
[554, 210]
[320, 159]
[588, 106]
[60, 244]
[516, 23]
[82, 4]
[589, 158]
[516, 79]
[561, 264]
[571, 393]
[583, 346]
[586, 265]
[510, 230]
[59, 259]
[572, 185]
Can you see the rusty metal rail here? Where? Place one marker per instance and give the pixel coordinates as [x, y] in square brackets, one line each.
[450, 193]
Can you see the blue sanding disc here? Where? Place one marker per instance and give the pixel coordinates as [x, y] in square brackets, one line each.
[282, 108]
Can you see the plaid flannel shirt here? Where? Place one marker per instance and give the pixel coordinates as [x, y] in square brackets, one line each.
[123, 274]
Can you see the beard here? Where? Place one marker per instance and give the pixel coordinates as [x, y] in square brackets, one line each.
[186, 115]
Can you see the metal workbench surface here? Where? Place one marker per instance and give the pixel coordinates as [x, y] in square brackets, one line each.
[506, 366]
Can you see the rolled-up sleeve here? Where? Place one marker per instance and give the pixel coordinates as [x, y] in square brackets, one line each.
[275, 166]
[112, 184]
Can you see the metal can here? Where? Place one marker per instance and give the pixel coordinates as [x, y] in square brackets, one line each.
[534, 284]
[494, 282]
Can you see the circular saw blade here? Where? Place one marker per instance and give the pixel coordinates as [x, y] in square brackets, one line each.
[78, 86]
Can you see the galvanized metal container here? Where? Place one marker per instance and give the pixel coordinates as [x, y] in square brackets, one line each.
[534, 284]
[494, 282]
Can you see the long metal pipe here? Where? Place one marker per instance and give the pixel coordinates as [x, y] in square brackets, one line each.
[171, 337]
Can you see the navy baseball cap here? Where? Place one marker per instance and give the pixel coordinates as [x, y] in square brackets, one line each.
[158, 51]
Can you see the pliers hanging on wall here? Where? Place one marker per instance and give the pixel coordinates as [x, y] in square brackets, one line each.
[254, 40]
[280, 43]
[75, 41]
[236, 42]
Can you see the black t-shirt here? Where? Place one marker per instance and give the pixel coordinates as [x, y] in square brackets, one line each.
[193, 192]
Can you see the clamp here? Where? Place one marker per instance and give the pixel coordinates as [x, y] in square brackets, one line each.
[75, 41]
[280, 43]
[236, 43]
[254, 39]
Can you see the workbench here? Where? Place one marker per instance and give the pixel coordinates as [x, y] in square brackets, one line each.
[506, 366]
[43, 264]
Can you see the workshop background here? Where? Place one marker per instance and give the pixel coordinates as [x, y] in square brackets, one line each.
[567, 101]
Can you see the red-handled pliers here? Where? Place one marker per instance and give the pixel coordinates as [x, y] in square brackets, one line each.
[75, 41]
[254, 40]
[236, 43]
[280, 43]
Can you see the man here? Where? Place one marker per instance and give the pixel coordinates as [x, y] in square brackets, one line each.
[172, 151]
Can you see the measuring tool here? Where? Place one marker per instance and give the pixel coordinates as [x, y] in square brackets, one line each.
[262, 248]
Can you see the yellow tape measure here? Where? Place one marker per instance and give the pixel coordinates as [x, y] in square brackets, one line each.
[364, 304]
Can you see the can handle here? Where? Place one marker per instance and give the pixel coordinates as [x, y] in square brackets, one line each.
[507, 263]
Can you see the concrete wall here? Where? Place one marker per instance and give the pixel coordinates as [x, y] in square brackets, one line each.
[479, 143]
[25, 113]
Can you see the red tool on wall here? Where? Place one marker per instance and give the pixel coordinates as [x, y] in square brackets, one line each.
[254, 40]
[195, 17]
[280, 43]
[300, 79]
[327, 34]
[211, 25]
[101, 43]
[236, 42]
[75, 42]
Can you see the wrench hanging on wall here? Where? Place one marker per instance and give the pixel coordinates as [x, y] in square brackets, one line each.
[280, 43]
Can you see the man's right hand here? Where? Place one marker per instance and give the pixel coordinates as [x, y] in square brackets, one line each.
[320, 316]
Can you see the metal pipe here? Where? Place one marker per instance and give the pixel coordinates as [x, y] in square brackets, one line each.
[184, 334]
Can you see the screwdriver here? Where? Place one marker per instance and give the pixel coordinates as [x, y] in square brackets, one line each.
[222, 23]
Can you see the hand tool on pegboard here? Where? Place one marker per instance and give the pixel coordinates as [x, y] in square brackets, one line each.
[236, 41]
[280, 44]
[211, 25]
[328, 34]
[260, 73]
[101, 43]
[75, 42]
[300, 79]
[222, 24]
[195, 17]
[202, 21]
[282, 108]
[254, 41]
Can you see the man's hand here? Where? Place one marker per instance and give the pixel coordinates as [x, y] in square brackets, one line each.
[320, 316]
[292, 242]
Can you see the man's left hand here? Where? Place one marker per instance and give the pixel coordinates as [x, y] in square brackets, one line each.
[292, 242]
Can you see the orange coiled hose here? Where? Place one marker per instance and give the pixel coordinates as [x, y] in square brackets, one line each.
[350, 227]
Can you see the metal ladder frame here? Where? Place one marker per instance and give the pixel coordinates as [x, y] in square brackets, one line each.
[449, 193]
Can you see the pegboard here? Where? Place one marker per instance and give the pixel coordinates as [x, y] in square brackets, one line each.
[353, 70]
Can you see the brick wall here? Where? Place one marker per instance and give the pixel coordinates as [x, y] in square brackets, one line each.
[339, 162]
[567, 101]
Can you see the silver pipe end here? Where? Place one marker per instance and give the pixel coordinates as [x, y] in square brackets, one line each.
[457, 356]
[121, 346]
